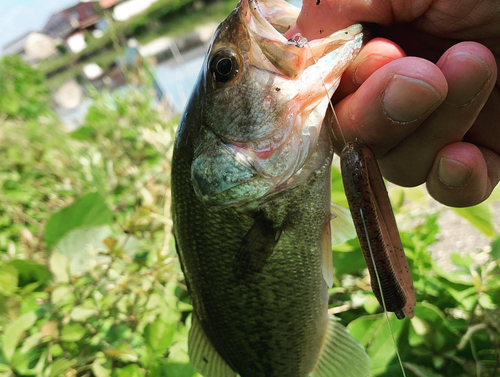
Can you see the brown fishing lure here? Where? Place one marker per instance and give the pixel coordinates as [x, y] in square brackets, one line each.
[377, 230]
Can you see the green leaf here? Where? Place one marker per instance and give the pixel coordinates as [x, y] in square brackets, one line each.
[374, 333]
[59, 367]
[62, 296]
[82, 245]
[178, 364]
[101, 367]
[56, 350]
[14, 331]
[416, 194]
[9, 277]
[480, 216]
[495, 250]
[487, 302]
[338, 193]
[348, 260]
[4, 369]
[462, 260]
[159, 336]
[28, 362]
[59, 265]
[370, 303]
[81, 313]
[430, 328]
[123, 351]
[420, 371]
[454, 277]
[460, 287]
[83, 133]
[31, 272]
[131, 370]
[88, 211]
[72, 332]
[9, 308]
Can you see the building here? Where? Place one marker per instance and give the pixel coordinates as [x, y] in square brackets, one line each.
[17, 46]
[130, 8]
[32, 47]
[69, 24]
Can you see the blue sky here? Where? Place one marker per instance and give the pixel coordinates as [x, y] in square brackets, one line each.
[20, 16]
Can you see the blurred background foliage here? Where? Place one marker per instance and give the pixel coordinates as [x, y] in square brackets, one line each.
[90, 284]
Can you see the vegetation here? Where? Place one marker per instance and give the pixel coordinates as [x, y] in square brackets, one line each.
[90, 283]
[22, 93]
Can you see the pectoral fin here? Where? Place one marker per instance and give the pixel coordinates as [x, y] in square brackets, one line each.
[205, 359]
[339, 229]
[341, 225]
[341, 355]
[257, 247]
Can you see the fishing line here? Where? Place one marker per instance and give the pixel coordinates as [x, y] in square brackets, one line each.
[298, 39]
[382, 293]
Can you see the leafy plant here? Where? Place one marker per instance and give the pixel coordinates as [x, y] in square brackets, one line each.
[455, 330]
[22, 93]
[90, 284]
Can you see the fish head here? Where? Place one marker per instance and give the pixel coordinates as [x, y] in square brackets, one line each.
[264, 99]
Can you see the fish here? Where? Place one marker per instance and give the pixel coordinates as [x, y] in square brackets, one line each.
[251, 187]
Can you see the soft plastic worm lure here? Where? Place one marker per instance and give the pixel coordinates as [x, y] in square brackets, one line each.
[377, 230]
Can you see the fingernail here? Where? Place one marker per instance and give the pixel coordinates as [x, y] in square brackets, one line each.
[461, 92]
[368, 66]
[407, 99]
[453, 173]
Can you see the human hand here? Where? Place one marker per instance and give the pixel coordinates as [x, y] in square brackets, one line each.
[437, 123]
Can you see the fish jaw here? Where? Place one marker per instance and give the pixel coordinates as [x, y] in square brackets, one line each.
[266, 113]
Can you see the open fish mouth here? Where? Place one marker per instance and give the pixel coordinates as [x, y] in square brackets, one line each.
[265, 100]
[272, 17]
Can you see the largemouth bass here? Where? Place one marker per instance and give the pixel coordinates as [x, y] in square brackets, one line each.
[251, 200]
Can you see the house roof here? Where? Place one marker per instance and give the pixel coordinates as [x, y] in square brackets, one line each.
[78, 16]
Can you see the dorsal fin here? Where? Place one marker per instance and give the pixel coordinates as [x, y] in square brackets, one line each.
[205, 359]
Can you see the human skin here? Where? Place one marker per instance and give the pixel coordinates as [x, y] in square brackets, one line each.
[432, 116]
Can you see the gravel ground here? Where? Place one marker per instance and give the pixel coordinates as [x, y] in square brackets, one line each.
[457, 235]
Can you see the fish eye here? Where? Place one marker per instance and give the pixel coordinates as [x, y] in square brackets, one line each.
[224, 66]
